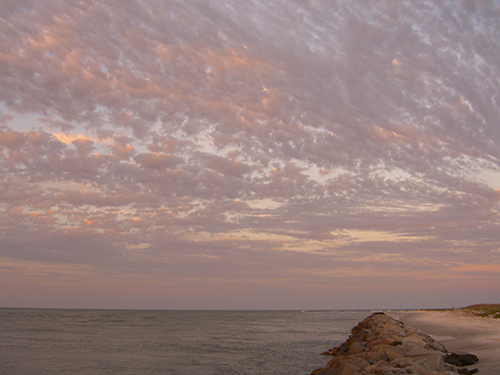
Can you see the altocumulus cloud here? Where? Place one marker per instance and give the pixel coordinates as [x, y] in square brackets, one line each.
[249, 154]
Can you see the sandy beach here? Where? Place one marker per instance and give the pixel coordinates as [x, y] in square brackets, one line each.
[458, 332]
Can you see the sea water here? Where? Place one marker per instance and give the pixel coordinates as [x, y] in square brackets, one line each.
[46, 341]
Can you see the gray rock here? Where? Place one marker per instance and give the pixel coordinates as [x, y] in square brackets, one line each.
[461, 359]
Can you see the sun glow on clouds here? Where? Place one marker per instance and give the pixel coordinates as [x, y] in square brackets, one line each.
[70, 138]
[296, 145]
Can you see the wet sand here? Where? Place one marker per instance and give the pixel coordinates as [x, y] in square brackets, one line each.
[458, 332]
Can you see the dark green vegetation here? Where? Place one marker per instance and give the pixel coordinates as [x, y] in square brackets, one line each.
[484, 310]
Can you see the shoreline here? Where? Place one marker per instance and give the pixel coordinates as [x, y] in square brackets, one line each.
[459, 332]
[381, 344]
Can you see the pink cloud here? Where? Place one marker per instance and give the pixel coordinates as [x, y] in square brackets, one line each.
[303, 147]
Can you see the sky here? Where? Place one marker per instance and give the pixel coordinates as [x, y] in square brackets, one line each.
[227, 154]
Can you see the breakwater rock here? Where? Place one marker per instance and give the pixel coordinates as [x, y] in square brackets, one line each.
[381, 345]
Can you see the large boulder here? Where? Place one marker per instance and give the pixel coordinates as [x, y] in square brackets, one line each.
[461, 359]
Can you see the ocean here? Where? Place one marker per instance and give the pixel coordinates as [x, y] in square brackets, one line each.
[136, 342]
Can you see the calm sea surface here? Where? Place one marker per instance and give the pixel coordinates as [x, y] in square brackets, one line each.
[43, 341]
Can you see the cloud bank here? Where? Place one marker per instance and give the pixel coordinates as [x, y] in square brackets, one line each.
[257, 154]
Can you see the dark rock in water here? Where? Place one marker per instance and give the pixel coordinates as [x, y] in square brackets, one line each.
[461, 359]
[382, 345]
[464, 371]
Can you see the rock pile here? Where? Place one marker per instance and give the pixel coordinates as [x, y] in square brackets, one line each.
[381, 345]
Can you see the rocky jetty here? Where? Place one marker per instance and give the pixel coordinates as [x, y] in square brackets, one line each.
[381, 345]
